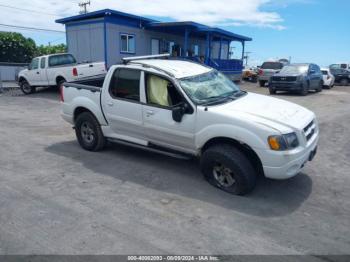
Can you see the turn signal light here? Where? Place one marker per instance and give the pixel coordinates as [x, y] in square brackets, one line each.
[274, 143]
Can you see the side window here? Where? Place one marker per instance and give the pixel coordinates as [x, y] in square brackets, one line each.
[35, 63]
[42, 62]
[58, 60]
[161, 92]
[127, 43]
[125, 84]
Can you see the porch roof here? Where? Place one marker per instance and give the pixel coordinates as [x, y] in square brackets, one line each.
[196, 29]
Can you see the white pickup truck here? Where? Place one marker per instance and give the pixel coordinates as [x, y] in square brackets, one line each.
[183, 108]
[53, 70]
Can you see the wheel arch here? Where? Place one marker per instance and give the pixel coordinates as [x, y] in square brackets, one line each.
[79, 110]
[22, 79]
[251, 155]
[59, 79]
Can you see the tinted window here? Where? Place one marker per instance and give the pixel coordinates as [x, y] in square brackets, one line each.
[125, 84]
[59, 60]
[34, 64]
[272, 65]
[42, 62]
[324, 72]
[161, 92]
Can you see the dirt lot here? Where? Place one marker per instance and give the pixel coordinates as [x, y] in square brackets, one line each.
[56, 198]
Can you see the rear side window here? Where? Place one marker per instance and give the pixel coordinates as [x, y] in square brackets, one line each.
[272, 65]
[59, 60]
[42, 62]
[324, 72]
[125, 84]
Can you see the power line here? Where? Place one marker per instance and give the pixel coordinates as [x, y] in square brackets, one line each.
[28, 10]
[33, 28]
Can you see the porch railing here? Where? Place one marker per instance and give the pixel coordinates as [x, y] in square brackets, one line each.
[226, 66]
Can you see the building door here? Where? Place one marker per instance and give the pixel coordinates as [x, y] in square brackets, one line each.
[155, 46]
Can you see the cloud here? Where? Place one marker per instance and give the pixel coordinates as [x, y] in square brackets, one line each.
[216, 13]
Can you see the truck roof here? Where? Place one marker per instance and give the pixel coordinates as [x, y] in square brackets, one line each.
[177, 68]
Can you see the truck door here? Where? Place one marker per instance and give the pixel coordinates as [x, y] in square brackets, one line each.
[122, 107]
[42, 72]
[33, 74]
[161, 97]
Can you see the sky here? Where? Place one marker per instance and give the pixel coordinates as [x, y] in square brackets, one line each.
[315, 31]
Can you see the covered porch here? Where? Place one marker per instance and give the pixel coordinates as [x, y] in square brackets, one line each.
[204, 44]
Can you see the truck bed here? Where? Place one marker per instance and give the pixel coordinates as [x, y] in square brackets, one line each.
[84, 93]
[93, 83]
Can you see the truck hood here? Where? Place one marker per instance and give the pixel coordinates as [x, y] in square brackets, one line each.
[270, 111]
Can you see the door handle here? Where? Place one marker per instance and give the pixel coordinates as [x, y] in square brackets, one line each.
[37, 73]
[110, 104]
[149, 113]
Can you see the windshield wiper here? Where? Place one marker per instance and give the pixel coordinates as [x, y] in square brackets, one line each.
[224, 97]
[218, 99]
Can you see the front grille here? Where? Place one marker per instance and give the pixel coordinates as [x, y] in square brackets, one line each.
[284, 78]
[310, 130]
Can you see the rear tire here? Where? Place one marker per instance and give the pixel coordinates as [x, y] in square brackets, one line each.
[26, 88]
[320, 87]
[344, 82]
[89, 133]
[227, 168]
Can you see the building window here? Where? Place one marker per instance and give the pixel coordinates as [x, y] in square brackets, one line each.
[125, 84]
[127, 43]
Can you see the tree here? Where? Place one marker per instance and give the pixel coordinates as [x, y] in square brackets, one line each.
[51, 49]
[15, 48]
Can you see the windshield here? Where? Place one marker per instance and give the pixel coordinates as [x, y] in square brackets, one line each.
[272, 65]
[209, 87]
[294, 70]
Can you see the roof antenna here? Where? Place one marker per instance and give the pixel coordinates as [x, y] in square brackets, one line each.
[83, 5]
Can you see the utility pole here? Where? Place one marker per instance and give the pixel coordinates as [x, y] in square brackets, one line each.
[246, 57]
[83, 6]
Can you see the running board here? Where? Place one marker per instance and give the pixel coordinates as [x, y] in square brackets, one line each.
[153, 148]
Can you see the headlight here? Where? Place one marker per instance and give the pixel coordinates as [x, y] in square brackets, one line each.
[283, 142]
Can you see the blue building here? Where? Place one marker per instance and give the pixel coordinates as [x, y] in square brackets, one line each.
[109, 35]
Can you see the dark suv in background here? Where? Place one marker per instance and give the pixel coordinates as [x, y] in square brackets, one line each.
[297, 78]
[267, 70]
[342, 76]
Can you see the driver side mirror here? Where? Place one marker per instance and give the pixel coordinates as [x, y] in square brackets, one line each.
[179, 111]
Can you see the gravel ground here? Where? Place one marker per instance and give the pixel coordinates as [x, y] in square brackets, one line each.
[56, 198]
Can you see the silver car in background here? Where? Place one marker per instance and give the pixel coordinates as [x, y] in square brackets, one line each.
[267, 70]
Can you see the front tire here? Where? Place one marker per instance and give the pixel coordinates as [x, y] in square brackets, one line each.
[272, 90]
[262, 83]
[227, 168]
[89, 133]
[304, 89]
[26, 88]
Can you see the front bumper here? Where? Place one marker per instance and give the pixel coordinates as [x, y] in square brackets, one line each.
[286, 86]
[284, 165]
[264, 78]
